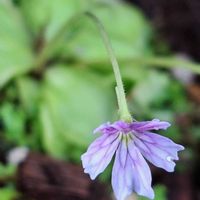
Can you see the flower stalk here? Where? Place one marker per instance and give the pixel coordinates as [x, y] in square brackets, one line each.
[131, 142]
[123, 108]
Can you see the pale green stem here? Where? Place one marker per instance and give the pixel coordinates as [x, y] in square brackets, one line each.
[123, 108]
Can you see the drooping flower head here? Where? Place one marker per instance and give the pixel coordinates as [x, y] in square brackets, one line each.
[130, 143]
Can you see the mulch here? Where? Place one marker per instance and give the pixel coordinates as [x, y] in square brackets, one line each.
[40, 177]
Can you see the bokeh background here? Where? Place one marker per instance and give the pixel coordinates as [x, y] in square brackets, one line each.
[57, 85]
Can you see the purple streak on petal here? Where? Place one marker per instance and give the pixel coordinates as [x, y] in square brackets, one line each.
[99, 154]
[101, 127]
[122, 126]
[159, 150]
[118, 126]
[122, 174]
[131, 173]
[155, 124]
[105, 129]
[142, 178]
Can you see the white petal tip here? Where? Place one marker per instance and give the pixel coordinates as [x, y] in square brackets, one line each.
[181, 148]
[92, 177]
[170, 170]
[149, 194]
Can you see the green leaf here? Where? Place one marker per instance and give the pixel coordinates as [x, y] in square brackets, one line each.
[29, 94]
[130, 33]
[52, 141]
[127, 28]
[151, 89]
[13, 120]
[8, 193]
[15, 52]
[75, 101]
[177, 95]
[49, 16]
[7, 171]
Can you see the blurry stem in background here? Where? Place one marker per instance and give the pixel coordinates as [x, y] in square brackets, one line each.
[154, 61]
[165, 62]
[123, 108]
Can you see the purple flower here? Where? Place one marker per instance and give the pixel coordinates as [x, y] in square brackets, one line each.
[131, 142]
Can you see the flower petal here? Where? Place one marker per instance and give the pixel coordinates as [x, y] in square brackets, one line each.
[158, 150]
[121, 126]
[130, 173]
[105, 128]
[155, 124]
[99, 154]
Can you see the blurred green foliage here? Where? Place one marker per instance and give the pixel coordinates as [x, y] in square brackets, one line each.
[53, 108]
[8, 193]
[70, 106]
[7, 173]
[15, 49]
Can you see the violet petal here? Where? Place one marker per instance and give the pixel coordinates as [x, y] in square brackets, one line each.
[158, 150]
[131, 173]
[99, 154]
[106, 128]
[155, 124]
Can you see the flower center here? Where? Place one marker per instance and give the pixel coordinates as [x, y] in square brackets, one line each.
[127, 137]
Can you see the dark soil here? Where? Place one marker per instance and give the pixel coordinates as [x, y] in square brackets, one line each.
[40, 177]
[178, 22]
